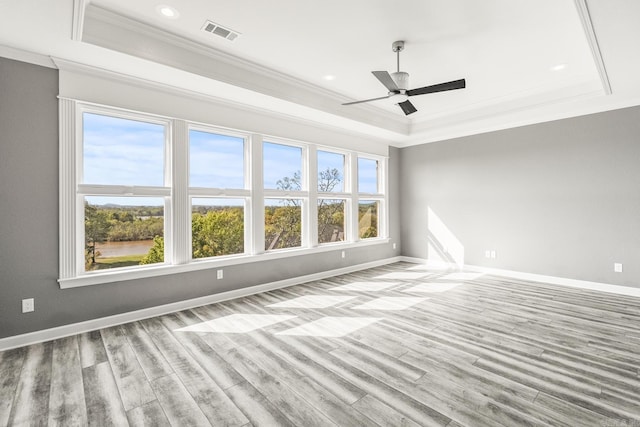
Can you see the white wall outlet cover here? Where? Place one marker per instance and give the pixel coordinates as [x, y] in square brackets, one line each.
[493, 254]
[487, 254]
[344, 254]
[28, 305]
[617, 267]
[220, 274]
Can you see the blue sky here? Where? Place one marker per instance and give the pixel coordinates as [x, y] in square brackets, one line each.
[127, 152]
[215, 160]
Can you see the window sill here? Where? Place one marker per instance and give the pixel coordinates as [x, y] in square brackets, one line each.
[121, 275]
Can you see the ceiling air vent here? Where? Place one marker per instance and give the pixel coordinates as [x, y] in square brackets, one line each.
[218, 30]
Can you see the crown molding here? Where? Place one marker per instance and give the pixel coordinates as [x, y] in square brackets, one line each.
[585, 18]
[108, 29]
[26, 56]
[79, 6]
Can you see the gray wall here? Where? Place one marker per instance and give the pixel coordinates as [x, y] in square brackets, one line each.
[559, 198]
[29, 225]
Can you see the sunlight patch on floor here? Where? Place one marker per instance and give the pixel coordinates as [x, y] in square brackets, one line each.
[390, 303]
[365, 286]
[430, 288]
[237, 323]
[330, 327]
[312, 301]
[462, 276]
[403, 275]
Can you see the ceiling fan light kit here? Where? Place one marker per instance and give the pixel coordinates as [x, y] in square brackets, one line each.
[397, 84]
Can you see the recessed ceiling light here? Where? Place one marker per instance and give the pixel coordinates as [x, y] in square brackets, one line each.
[167, 11]
[559, 67]
[329, 77]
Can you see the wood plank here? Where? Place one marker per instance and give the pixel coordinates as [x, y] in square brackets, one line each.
[150, 414]
[66, 402]
[132, 382]
[11, 362]
[307, 388]
[92, 349]
[208, 395]
[259, 410]
[104, 406]
[176, 402]
[150, 358]
[288, 402]
[31, 401]
[382, 414]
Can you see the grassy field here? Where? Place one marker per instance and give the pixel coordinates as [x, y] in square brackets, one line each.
[117, 261]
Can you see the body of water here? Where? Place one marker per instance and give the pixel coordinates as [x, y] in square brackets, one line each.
[115, 249]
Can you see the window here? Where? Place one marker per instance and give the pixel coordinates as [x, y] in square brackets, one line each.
[142, 195]
[282, 166]
[367, 175]
[330, 172]
[283, 184]
[123, 173]
[282, 223]
[217, 227]
[370, 198]
[217, 167]
[331, 220]
[368, 219]
[331, 209]
[216, 160]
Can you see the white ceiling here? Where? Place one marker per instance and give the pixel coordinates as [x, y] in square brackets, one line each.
[507, 50]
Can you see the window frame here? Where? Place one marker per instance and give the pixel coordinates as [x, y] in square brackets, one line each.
[221, 193]
[178, 196]
[107, 190]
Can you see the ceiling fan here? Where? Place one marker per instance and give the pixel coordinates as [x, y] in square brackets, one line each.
[396, 83]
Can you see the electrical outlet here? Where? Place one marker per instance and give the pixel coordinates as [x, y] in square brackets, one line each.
[394, 246]
[220, 274]
[344, 254]
[493, 254]
[617, 267]
[487, 254]
[28, 305]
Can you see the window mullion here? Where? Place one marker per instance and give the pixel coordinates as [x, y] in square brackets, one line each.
[352, 209]
[310, 231]
[256, 211]
[179, 237]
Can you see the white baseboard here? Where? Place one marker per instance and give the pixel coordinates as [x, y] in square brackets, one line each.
[131, 316]
[553, 280]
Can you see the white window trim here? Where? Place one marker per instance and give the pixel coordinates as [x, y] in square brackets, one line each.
[178, 196]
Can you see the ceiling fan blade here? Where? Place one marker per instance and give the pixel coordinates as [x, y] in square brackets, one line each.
[386, 80]
[365, 100]
[441, 87]
[407, 107]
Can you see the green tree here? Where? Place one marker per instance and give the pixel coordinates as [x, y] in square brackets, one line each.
[156, 252]
[96, 229]
[330, 212]
[218, 232]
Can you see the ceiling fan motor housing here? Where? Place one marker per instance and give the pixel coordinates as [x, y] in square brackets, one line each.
[401, 79]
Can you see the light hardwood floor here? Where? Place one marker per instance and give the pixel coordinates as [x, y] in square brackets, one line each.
[398, 345]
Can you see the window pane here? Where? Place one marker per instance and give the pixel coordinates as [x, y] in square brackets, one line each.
[367, 175]
[123, 231]
[330, 220]
[330, 171]
[282, 223]
[368, 218]
[215, 161]
[217, 227]
[122, 152]
[282, 166]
